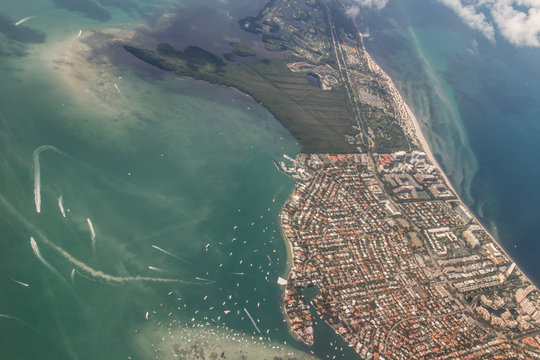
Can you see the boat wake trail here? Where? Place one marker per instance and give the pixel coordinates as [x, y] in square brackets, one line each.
[252, 321]
[98, 274]
[207, 281]
[23, 20]
[168, 253]
[92, 233]
[35, 330]
[37, 174]
[118, 89]
[21, 283]
[36, 251]
[61, 205]
[153, 268]
[23, 323]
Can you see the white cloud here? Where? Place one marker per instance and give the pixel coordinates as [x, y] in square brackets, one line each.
[517, 20]
[472, 17]
[520, 28]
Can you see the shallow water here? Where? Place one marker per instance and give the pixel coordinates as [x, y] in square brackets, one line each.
[170, 196]
[165, 168]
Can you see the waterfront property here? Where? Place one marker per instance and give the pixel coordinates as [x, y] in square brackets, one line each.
[402, 278]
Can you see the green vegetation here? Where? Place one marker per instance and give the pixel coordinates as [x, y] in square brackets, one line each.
[192, 61]
[274, 42]
[230, 56]
[318, 119]
[387, 134]
[249, 24]
[344, 23]
[242, 49]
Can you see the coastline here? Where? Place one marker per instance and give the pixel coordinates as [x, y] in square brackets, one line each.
[417, 134]
[288, 268]
[288, 245]
[425, 146]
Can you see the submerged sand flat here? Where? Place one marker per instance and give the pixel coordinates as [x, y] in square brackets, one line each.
[203, 341]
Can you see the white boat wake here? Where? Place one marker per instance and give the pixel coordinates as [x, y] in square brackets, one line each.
[21, 283]
[92, 233]
[61, 205]
[23, 20]
[117, 89]
[153, 268]
[168, 253]
[37, 174]
[23, 323]
[98, 274]
[252, 321]
[36, 251]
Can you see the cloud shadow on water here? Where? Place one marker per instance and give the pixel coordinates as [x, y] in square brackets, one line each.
[20, 33]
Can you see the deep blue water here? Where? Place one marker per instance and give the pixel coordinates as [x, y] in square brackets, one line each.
[480, 107]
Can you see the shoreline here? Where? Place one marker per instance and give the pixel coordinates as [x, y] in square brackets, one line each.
[425, 146]
[423, 143]
[289, 265]
[288, 246]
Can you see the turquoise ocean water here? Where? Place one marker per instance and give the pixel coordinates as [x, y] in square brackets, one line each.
[175, 177]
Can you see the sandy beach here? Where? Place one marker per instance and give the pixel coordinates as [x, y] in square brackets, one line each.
[413, 128]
